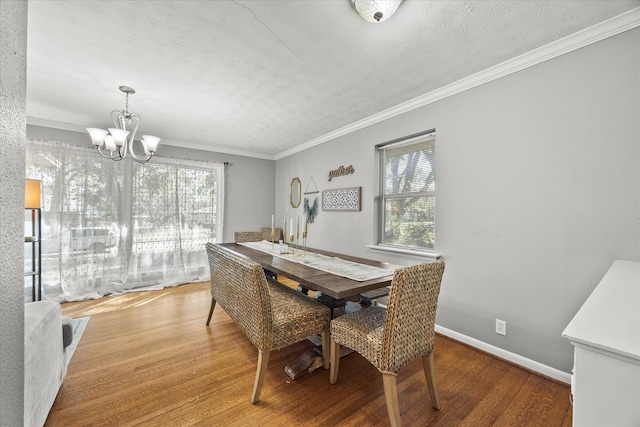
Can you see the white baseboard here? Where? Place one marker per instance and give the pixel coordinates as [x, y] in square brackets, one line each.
[507, 355]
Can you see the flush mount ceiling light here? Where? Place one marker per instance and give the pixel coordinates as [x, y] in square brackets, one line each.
[115, 139]
[375, 11]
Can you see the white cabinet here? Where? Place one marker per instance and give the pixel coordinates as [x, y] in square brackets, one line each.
[605, 333]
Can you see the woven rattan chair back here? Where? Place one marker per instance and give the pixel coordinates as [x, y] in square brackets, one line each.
[271, 314]
[239, 286]
[247, 236]
[390, 338]
[409, 326]
[266, 234]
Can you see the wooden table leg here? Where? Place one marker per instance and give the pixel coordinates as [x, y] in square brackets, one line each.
[312, 359]
[336, 305]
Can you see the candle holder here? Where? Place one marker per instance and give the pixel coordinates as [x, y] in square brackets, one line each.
[304, 243]
[293, 249]
[282, 249]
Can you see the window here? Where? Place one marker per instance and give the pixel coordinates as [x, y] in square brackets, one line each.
[407, 193]
[111, 227]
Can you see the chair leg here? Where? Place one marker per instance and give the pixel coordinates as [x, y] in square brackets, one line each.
[263, 361]
[335, 361]
[213, 305]
[391, 397]
[430, 372]
[326, 351]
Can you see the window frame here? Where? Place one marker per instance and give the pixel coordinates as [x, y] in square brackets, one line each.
[381, 197]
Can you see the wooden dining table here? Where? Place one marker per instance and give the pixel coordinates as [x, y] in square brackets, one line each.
[334, 290]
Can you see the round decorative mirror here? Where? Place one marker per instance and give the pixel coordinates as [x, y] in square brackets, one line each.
[295, 192]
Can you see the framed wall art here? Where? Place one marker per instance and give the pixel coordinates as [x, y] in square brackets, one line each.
[341, 199]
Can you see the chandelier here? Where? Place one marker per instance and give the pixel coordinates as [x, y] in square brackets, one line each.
[375, 11]
[113, 143]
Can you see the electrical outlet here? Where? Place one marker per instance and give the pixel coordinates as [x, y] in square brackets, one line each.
[501, 327]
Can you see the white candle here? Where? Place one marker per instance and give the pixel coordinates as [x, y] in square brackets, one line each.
[297, 226]
[291, 227]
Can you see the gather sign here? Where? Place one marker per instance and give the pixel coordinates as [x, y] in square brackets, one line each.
[341, 171]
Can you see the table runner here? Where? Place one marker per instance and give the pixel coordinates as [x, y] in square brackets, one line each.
[338, 266]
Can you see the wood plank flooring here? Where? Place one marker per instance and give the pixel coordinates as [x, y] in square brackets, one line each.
[147, 359]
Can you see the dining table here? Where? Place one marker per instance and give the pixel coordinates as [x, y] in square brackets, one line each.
[334, 290]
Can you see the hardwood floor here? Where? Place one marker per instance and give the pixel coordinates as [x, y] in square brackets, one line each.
[147, 358]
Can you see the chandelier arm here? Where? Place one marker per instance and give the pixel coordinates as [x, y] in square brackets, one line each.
[110, 155]
[117, 118]
[132, 134]
[122, 153]
[139, 160]
[106, 156]
[132, 140]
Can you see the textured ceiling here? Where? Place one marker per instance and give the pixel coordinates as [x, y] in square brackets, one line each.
[261, 77]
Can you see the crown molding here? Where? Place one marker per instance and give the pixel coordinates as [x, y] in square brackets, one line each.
[46, 123]
[216, 149]
[593, 34]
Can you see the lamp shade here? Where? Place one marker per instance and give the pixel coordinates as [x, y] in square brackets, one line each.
[32, 194]
[109, 143]
[119, 136]
[97, 136]
[150, 143]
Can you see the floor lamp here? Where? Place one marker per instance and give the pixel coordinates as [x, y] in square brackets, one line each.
[32, 203]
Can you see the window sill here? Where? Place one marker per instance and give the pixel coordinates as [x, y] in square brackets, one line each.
[412, 252]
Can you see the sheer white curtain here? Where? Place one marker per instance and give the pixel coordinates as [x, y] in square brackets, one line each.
[111, 227]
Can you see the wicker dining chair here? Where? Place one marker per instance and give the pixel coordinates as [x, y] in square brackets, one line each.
[266, 234]
[271, 314]
[247, 236]
[390, 338]
[253, 236]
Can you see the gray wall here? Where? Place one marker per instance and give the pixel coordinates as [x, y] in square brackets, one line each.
[249, 182]
[13, 78]
[538, 193]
